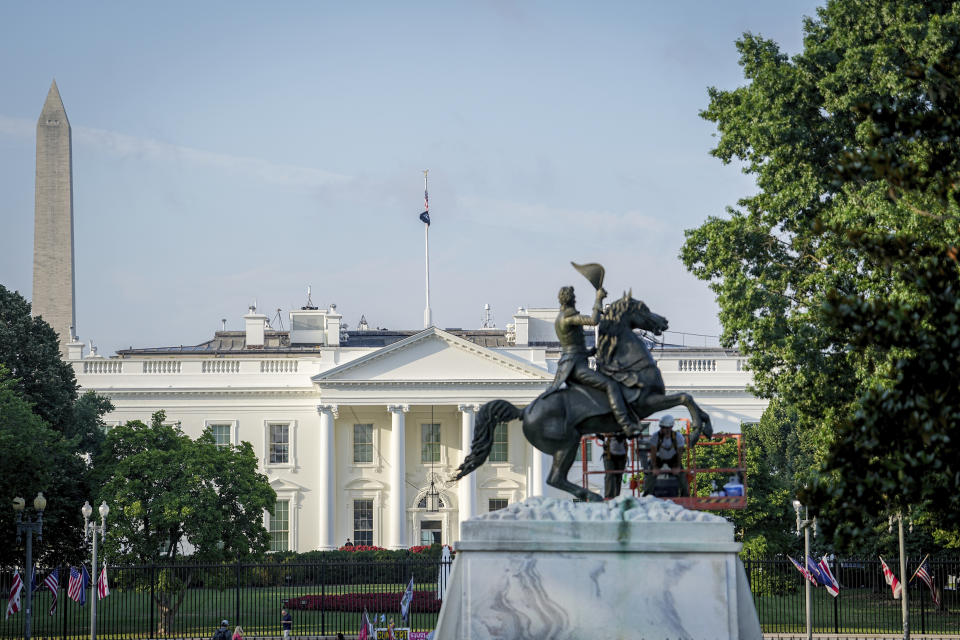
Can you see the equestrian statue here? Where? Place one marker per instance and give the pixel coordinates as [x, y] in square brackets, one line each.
[625, 387]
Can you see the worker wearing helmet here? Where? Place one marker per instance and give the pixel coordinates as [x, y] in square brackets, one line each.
[666, 447]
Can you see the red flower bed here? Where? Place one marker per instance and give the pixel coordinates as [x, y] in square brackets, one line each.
[361, 547]
[423, 602]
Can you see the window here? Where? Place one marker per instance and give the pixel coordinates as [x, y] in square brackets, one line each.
[363, 522]
[279, 446]
[579, 457]
[362, 443]
[495, 504]
[430, 443]
[280, 526]
[430, 531]
[499, 449]
[423, 503]
[221, 434]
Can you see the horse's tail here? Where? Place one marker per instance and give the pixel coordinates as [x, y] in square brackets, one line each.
[488, 417]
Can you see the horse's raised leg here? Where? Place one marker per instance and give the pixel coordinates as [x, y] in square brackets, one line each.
[557, 478]
[700, 418]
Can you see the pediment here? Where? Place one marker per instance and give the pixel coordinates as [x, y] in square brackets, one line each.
[433, 355]
[283, 485]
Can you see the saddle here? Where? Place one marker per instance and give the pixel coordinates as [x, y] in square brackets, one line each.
[572, 405]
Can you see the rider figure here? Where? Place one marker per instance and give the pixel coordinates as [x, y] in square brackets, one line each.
[573, 365]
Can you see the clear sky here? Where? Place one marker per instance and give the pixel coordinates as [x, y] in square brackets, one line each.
[226, 152]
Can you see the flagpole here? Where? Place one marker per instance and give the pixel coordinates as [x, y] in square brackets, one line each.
[918, 567]
[427, 312]
[904, 606]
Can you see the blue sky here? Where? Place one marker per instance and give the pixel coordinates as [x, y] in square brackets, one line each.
[231, 152]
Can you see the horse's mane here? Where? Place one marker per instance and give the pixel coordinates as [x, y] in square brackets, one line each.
[610, 326]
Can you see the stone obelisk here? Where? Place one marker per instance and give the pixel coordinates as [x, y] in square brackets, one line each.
[53, 281]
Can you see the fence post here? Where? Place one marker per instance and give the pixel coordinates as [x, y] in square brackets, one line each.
[64, 616]
[836, 615]
[323, 598]
[923, 617]
[237, 615]
[153, 604]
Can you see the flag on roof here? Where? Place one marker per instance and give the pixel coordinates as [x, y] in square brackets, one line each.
[52, 582]
[802, 570]
[13, 604]
[891, 579]
[77, 585]
[425, 216]
[831, 583]
[923, 572]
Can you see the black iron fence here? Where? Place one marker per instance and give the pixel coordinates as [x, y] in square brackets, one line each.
[326, 597]
[865, 604]
[189, 601]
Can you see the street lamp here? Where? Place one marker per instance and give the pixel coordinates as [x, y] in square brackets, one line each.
[28, 527]
[805, 523]
[91, 529]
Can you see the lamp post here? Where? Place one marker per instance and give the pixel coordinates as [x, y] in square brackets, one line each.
[28, 527]
[804, 524]
[91, 529]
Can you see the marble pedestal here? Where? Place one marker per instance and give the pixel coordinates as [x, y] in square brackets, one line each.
[644, 569]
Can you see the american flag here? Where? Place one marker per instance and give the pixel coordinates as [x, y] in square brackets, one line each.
[77, 586]
[425, 216]
[806, 574]
[923, 572]
[13, 605]
[52, 582]
[103, 589]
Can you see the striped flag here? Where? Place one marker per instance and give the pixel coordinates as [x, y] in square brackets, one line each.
[891, 579]
[13, 604]
[923, 572]
[406, 601]
[77, 585]
[52, 582]
[103, 588]
[831, 583]
[802, 570]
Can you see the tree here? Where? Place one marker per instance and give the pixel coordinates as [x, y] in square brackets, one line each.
[857, 132]
[167, 490]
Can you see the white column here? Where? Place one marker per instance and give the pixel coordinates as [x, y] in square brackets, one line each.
[537, 484]
[398, 478]
[326, 489]
[467, 486]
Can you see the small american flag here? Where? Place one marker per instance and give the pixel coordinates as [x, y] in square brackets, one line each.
[831, 583]
[52, 582]
[891, 579]
[77, 586]
[802, 570]
[13, 605]
[103, 589]
[923, 572]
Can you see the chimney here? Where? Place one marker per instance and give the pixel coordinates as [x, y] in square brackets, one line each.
[521, 324]
[332, 322]
[255, 324]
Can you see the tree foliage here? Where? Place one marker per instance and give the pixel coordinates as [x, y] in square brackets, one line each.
[167, 489]
[823, 275]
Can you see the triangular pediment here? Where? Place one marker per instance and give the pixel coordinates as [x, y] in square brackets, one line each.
[433, 355]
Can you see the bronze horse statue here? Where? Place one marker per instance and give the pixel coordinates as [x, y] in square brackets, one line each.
[555, 422]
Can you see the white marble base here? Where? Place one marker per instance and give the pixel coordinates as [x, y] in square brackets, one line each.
[639, 569]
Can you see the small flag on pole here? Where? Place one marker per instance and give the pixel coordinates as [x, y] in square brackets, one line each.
[13, 604]
[891, 579]
[366, 627]
[103, 588]
[831, 583]
[806, 574]
[425, 216]
[52, 582]
[77, 585]
[406, 601]
[923, 572]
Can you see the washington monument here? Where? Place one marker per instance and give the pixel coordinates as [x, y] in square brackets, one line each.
[53, 282]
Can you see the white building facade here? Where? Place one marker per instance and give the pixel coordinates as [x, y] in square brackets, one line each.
[355, 432]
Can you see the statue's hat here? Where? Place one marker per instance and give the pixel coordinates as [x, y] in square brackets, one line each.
[591, 271]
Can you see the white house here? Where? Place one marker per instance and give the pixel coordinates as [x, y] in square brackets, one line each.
[353, 429]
